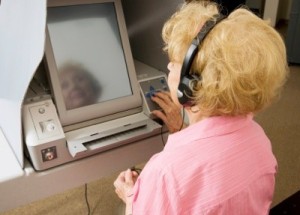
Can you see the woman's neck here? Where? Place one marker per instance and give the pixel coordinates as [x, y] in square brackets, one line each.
[194, 114]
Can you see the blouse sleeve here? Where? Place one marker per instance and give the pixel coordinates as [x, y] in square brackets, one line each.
[155, 194]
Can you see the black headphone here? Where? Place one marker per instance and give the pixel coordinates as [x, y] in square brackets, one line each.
[187, 80]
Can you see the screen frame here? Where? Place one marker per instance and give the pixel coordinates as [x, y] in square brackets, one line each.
[116, 107]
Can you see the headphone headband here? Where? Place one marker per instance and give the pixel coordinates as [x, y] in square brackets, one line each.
[184, 92]
[193, 49]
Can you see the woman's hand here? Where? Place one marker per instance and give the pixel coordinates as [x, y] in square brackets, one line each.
[171, 114]
[124, 185]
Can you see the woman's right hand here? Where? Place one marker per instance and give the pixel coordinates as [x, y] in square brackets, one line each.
[170, 114]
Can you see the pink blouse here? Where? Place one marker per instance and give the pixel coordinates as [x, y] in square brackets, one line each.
[220, 165]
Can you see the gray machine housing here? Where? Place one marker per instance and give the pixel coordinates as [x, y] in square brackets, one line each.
[49, 145]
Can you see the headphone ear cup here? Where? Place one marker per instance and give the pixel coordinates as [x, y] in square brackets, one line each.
[184, 91]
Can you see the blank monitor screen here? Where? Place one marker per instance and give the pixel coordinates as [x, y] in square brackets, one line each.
[89, 60]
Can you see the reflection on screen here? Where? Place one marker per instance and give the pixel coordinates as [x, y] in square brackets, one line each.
[88, 53]
[79, 86]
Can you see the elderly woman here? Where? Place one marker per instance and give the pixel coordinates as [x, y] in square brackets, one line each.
[222, 163]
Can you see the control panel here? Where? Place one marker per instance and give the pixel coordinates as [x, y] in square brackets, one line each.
[45, 120]
[150, 87]
[44, 136]
[151, 81]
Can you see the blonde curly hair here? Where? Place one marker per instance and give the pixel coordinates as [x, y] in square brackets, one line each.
[242, 61]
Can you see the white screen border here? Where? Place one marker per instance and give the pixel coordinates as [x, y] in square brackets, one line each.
[111, 107]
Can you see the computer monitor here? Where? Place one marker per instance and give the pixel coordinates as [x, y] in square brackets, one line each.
[89, 61]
